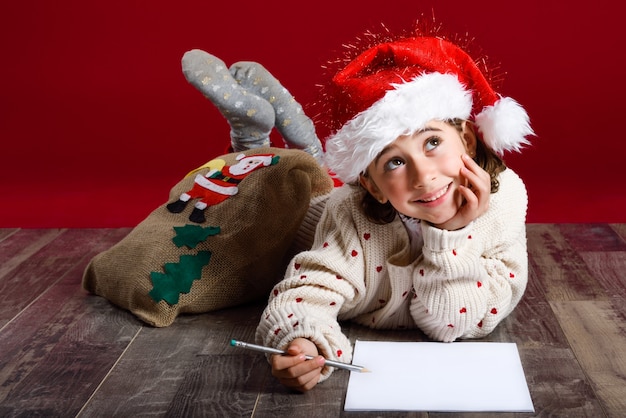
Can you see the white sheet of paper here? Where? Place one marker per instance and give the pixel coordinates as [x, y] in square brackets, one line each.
[431, 376]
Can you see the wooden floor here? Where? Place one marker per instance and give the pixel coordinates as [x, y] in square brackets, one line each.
[65, 353]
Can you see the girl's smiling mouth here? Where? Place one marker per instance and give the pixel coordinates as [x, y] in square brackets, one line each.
[432, 197]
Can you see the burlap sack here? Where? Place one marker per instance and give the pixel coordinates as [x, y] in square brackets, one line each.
[242, 251]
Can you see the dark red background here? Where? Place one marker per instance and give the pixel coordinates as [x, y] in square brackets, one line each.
[97, 121]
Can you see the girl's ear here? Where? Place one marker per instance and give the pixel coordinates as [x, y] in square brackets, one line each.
[369, 185]
[469, 136]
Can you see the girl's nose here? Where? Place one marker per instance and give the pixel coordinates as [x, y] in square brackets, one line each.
[422, 173]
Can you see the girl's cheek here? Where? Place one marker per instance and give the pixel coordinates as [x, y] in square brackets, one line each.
[453, 167]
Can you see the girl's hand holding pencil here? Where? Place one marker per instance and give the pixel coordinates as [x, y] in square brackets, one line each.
[300, 366]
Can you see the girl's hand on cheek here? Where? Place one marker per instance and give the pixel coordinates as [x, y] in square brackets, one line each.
[476, 193]
[294, 370]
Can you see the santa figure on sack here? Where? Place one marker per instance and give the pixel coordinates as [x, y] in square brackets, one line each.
[218, 185]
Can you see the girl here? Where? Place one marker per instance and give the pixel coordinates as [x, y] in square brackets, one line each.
[428, 230]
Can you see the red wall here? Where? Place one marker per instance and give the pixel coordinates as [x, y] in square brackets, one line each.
[97, 121]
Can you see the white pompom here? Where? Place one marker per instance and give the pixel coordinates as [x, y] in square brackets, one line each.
[504, 126]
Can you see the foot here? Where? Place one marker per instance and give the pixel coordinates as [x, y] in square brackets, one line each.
[296, 128]
[176, 207]
[250, 117]
[197, 216]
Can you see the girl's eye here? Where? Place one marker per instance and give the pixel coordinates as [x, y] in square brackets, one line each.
[432, 143]
[393, 164]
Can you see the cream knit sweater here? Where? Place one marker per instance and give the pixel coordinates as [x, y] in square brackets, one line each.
[450, 284]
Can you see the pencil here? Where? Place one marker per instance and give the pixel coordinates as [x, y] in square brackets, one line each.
[270, 350]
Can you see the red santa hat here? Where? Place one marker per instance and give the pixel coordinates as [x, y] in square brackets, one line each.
[266, 159]
[395, 88]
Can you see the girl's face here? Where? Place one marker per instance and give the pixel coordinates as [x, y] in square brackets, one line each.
[420, 174]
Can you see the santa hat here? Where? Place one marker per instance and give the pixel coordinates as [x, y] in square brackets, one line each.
[266, 159]
[395, 88]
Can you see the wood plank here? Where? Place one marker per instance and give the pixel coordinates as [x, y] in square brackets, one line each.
[199, 374]
[18, 247]
[51, 255]
[597, 335]
[219, 386]
[186, 369]
[233, 323]
[609, 270]
[530, 325]
[557, 383]
[620, 229]
[57, 350]
[592, 237]
[558, 267]
[326, 400]
[7, 232]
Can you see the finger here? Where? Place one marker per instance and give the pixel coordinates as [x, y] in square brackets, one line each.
[476, 201]
[480, 182]
[295, 349]
[303, 376]
[474, 168]
[283, 362]
[302, 383]
[469, 162]
[294, 366]
[302, 346]
[471, 200]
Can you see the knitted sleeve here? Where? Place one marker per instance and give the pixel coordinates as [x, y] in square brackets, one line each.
[316, 287]
[468, 280]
